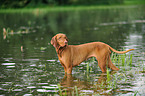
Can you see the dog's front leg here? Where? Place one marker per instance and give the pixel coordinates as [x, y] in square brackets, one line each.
[63, 66]
[68, 66]
[66, 63]
[69, 70]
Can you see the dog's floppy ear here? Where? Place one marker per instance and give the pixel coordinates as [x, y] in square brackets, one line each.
[66, 38]
[54, 41]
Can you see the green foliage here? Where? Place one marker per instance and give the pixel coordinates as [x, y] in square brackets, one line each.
[13, 3]
[94, 2]
[42, 3]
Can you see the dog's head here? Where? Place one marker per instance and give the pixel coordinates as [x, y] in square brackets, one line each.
[59, 40]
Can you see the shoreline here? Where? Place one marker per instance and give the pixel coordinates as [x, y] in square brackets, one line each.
[65, 8]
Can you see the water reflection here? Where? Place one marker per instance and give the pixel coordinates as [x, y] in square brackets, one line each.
[99, 86]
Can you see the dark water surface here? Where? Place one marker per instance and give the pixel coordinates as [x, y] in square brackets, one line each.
[29, 64]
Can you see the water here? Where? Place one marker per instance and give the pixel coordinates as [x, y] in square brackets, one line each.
[29, 64]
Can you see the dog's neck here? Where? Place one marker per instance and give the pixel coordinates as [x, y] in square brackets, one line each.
[60, 50]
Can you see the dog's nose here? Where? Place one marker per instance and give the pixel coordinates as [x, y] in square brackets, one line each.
[65, 42]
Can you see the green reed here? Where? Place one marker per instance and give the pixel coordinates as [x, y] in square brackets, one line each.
[89, 68]
[113, 80]
[76, 89]
[60, 91]
[135, 94]
[108, 75]
[123, 59]
[143, 66]
[111, 83]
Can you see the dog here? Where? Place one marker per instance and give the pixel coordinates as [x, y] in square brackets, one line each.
[72, 55]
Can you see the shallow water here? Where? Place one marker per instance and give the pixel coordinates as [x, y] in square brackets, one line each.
[29, 64]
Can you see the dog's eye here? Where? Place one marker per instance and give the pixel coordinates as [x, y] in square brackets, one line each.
[66, 38]
[59, 38]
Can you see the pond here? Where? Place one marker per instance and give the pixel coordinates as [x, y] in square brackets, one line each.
[29, 64]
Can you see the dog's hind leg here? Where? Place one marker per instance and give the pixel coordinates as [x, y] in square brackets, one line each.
[111, 65]
[102, 64]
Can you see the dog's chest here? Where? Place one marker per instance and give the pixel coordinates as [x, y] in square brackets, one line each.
[64, 59]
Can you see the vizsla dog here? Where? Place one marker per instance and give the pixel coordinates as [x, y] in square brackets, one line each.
[72, 55]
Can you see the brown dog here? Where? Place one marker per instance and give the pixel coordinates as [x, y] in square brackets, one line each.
[72, 55]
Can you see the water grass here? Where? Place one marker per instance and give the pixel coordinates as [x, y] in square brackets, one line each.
[89, 68]
[59, 88]
[108, 75]
[122, 59]
[76, 89]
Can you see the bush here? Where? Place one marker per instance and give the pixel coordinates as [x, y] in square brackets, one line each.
[37, 3]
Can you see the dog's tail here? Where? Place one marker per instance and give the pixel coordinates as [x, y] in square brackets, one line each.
[120, 52]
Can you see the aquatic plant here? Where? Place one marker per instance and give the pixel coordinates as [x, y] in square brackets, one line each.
[76, 89]
[89, 68]
[60, 91]
[7, 31]
[108, 75]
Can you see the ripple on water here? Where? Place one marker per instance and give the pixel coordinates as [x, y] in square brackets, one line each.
[8, 64]
[44, 90]
[49, 87]
[31, 87]
[51, 60]
[27, 95]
